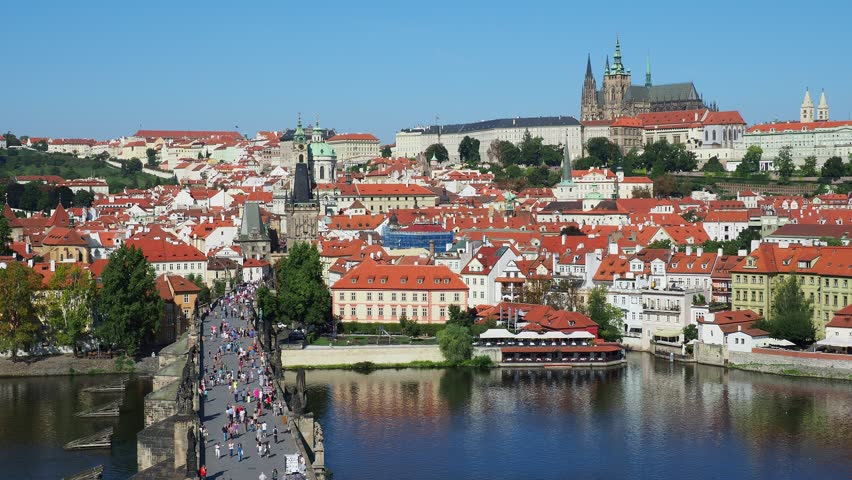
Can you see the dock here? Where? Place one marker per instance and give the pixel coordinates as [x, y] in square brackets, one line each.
[114, 388]
[93, 473]
[112, 409]
[100, 439]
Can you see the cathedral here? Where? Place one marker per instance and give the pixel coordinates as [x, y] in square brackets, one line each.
[620, 98]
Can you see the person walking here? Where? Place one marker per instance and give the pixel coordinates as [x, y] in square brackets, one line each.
[216, 448]
[240, 452]
[274, 474]
[263, 428]
[262, 476]
[231, 448]
[275, 434]
[202, 472]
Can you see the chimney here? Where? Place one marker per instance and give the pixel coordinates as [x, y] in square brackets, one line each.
[688, 250]
[699, 251]
[564, 238]
[431, 248]
[739, 328]
[720, 252]
[53, 265]
[30, 263]
[369, 239]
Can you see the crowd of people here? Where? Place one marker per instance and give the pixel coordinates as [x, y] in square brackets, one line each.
[239, 364]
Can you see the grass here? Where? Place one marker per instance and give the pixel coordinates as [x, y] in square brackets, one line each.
[28, 162]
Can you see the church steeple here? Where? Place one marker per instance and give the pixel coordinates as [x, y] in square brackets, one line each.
[822, 109]
[617, 67]
[589, 66]
[606, 69]
[648, 71]
[316, 134]
[566, 165]
[807, 111]
[299, 134]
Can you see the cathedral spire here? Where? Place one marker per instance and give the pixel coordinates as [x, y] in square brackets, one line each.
[606, 70]
[589, 66]
[648, 71]
[807, 111]
[617, 67]
[566, 164]
[822, 109]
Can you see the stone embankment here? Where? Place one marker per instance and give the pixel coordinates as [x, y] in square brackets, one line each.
[376, 354]
[780, 362]
[70, 365]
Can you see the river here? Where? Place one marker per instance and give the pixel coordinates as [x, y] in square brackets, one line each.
[37, 419]
[650, 419]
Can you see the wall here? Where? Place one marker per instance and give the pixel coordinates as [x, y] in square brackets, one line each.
[799, 359]
[710, 354]
[494, 353]
[351, 355]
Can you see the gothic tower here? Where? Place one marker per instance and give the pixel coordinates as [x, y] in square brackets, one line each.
[616, 82]
[589, 108]
[822, 109]
[807, 111]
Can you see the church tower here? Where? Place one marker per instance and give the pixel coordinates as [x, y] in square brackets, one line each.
[822, 109]
[589, 108]
[616, 82]
[323, 157]
[300, 143]
[807, 111]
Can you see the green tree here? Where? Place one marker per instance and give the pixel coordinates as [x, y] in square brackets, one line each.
[792, 313]
[11, 140]
[204, 294]
[438, 151]
[809, 168]
[586, 163]
[129, 304]
[133, 165]
[219, 288]
[713, 166]
[690, 333]
[84, 198]
[508, 153]
[833, 168]
[41, 146]
[606, 315]
[302, 294]
[455, 343]
[661, 157]
[5, 237]
[606, 151]
[459, 316]
[469, 151]
[409, 327]
[19, 315]
[551, 156]
[386, 151]
[666, 185]
[784, 163]
[665, 243]
[70, 304]
[152, 157]
[751, 161]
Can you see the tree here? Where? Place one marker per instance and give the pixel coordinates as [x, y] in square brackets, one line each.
[129, 305]
[133, 165]
[534, 291]
[459, 316]
[690, 333]
[303, 297]
[204, 294]
[665, 243]
[219, 288]
[70, 304]
[833, 168]
[713, 166]
[5, 237]
[84, 198]
[666, 186]
[455, 343]
[606, 151]
[386, 151]
[508, 153]
[691, 216]
[40, 145]
[640, 192]
[586, 163]
[606, 315]
[19, 315]
[438, 151]
[11, 140]
[469, 151]
[409, 327]
[751, 161]
[784, 163]
[152, 157]
[661, 157]
[572, 231]
[809, 167]
[792, 313]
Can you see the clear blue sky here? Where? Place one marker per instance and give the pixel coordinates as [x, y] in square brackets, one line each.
[100, 69]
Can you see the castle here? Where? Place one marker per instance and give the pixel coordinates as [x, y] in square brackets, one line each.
[620, 98]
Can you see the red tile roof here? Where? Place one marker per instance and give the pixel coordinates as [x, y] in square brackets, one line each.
[352, 136]
[371, 276]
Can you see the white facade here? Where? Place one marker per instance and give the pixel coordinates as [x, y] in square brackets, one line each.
[821, 140]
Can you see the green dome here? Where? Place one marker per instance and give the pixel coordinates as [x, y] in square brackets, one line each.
[321, 149]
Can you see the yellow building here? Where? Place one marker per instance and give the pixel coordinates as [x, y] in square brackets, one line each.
[825, 274]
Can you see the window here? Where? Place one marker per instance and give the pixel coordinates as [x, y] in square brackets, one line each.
[423, 312]
[381, 312]
[341, 312]
[381, 296]
[456, 297]
[443, 312]
[352, 312]
[443, 297]
[369, 312]
[393, 296]
[352, 296]
[423, 297]
[340, 296]
[369, 296]
[760, 296]
[403, 297]
[393, 311]
[185, 298]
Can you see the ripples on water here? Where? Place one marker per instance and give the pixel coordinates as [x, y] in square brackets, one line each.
[650, 419]
[37, 419]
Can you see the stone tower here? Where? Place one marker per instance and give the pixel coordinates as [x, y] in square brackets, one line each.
[615, 84]
[822, 109]
[253, 237]
[807, 111]
[300, 143]
[301, 209]
[323, 157]
[589, 108]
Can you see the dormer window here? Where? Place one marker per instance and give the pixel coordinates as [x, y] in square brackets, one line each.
[403, 280]
[370, 280]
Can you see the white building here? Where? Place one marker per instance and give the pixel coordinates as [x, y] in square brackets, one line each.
[822, 140]
[410, 142]
[482, 271]
[354, 147]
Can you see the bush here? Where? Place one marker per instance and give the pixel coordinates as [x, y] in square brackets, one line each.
[481, 361]
[372, 328]
[456, 343]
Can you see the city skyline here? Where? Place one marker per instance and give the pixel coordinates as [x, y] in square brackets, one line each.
[103, 70]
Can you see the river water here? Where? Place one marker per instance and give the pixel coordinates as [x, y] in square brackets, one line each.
[37, 419]
[650, 419]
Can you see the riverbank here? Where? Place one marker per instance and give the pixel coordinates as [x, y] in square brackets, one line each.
[56, 365]
[792, 370]
[478, 362]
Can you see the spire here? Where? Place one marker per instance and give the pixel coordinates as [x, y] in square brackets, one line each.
[606, 70]
[566, 164]
[822, 109]
[316, 135]
[589, 66]
[617, 67]
[299, 134]
[648, 71]
[807, 111]
[807, 101]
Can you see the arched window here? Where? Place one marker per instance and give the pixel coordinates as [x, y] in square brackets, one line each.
[724, 135]
[301, 158]
[714, 135]
[322, 172]
[706, 135]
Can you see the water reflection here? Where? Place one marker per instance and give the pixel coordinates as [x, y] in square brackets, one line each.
[648, 419]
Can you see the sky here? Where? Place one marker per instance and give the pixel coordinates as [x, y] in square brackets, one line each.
[101, 69]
